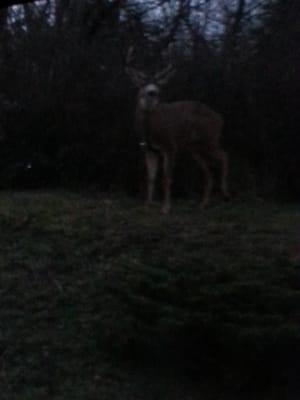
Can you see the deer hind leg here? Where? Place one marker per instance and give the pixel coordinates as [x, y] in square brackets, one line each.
[167, 181]
[151, 160]
[208, 180]
[221, 157]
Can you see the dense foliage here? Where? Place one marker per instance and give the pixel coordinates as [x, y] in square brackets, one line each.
[67, 105]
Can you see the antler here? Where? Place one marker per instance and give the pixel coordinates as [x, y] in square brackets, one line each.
[129, 56]
[139, 78]
[163, 76]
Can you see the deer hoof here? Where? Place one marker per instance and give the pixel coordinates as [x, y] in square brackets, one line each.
[203, 205]
[148, 204]
[226, 197]
[165, 209]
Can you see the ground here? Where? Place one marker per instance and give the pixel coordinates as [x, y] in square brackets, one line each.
[102, 298]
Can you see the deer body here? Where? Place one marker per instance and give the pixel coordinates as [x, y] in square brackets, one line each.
[196, 127]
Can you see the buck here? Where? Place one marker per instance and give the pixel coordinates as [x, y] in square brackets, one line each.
[165, 129]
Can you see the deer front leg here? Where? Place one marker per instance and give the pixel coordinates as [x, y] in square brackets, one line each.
[221, 156]
[167, 181]
[151, 159]
[224, 173]
[208, 181]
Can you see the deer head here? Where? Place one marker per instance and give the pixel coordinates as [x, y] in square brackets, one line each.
[149, 86]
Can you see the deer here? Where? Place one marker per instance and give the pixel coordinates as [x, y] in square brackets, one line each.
[165, 129]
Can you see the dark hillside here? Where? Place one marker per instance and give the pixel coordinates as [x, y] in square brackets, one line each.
[100, 297]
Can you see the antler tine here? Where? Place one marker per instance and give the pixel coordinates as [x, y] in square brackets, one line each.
[161, 74]
[138, 77]
[166, 73]
[129, 56]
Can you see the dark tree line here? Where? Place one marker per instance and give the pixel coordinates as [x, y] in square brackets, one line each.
[8, 3]
[66, 104]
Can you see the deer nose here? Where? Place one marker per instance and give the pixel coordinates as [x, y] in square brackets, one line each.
[152, 93]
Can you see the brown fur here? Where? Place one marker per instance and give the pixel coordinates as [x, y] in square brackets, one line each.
[181, 126]
[195, 126]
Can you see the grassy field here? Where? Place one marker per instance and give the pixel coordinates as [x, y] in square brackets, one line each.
[103, 299]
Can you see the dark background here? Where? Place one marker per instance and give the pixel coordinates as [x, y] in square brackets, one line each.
[66, 104]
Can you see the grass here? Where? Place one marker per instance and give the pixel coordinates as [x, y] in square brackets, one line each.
[101, 298]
